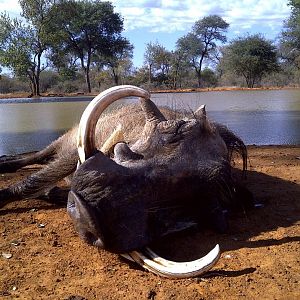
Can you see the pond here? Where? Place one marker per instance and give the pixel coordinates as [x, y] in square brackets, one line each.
[261, 117]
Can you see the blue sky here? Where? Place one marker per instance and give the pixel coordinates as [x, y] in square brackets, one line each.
[165, 21]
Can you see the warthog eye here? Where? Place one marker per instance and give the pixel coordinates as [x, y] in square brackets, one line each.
[170, 131]
[170, 126]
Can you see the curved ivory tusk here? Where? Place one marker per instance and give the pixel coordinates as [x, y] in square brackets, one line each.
[160, 266]
[116, 137]
[86, 131]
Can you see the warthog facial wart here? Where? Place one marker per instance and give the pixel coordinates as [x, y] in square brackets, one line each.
[138, 174]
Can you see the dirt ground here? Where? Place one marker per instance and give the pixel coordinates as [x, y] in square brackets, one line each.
[260, 253]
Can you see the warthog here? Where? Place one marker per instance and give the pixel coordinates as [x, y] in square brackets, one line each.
[166, 171]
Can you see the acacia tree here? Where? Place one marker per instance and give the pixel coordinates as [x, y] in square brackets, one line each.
[200, 44]
[158, 60]
[289, 46]
[22, 45]
[85, 29]
[252, 57]
[15, 41]
[179, 68]
[117, 60]
[149, 58]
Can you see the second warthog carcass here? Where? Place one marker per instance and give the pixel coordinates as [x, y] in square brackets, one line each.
[165, 172]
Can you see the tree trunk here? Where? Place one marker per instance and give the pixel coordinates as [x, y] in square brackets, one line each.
[115, 76]
[176, 76]
[200, 67]
[37, 75]
[149, 74]
[33, 88]
[86, 70]
[199, 78]
[198, 71]
[87, 79]
[32, 83]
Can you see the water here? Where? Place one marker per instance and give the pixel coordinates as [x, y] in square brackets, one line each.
[269, 117]
[261, 117]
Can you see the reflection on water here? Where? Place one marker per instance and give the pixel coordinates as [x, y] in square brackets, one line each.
[259, 117]
[257, 100]
[30, 117]
[14, 143]
[262, 127]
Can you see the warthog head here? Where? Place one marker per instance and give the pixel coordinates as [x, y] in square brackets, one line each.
[175, 175]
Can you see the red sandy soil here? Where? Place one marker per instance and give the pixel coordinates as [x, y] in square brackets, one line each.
[260, 253]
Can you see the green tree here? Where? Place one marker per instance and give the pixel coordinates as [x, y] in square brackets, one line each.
[15, 41]
[36, 13]
[252, 57]
[289, 46]
[295, 4]
[158, 60]
[85, 29]
[200, 44]
[149, 58]
[22, 45]
[179, 68]
[209, 78]
[118, 60]
[140, 77]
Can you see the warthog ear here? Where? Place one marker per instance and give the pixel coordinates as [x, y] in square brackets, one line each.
[152, 113]
[200, 112]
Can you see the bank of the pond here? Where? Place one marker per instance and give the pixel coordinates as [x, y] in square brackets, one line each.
[184, 90]
[43, 95]
[223, 89]
[260, 253]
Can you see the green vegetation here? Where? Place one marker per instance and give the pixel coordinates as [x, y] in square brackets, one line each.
[290, 38]
[89, 31]
[23, 44]
[252, 57]
[200, 45]
[65, 46]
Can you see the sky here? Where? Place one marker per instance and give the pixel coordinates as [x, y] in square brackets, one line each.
[165, 21]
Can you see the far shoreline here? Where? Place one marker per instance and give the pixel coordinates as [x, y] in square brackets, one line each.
[185, 90]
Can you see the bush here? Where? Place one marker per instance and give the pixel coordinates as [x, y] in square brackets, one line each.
[48, 79]
[209, 78]
[12, 85]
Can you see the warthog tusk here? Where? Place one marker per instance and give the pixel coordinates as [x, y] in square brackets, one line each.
[86, 131]
[116, 137]
[171, 269]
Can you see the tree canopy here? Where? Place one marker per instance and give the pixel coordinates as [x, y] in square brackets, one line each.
[85, 29]
[252, 57]
[158, 60]
[22, 45]
[290, 36]
[200, 44]
[62, 31]
[77, 45]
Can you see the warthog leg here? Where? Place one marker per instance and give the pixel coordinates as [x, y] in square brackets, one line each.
[43, 180]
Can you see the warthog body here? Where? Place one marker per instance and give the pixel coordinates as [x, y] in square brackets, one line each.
[172, 170]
